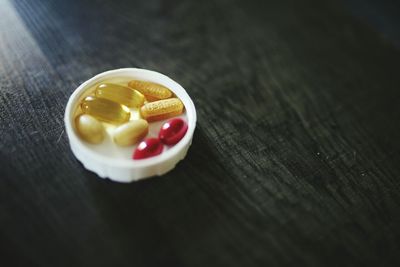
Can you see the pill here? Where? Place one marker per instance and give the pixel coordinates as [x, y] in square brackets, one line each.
[89, 129]
[149, 147]
[152, 91]
[162, 109]
[105, 110]
[173, 131]
[131, 132]
[151, 99]
[120, 94]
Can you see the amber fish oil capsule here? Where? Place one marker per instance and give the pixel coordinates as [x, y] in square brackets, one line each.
[105, 110]
[162, 109]
[152, 91]
[120, 94]
[89, 129]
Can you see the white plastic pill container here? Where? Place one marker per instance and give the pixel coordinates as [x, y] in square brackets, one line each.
[107, 159]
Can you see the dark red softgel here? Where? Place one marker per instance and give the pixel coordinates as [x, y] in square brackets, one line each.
[149, 147]
[173, 131]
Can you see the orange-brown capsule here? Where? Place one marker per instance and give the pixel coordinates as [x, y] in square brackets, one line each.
[120, 94]
[105, 110]
[162, 109]
[152, 91]
[151, 99]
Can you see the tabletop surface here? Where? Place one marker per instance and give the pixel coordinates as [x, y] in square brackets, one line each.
[294, 161]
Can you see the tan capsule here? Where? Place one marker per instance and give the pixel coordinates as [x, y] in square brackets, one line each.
[152, 91]
[162, 109]
[151, 99]
[131, 132]
[120, 94]
[89, 129]
[105, 110]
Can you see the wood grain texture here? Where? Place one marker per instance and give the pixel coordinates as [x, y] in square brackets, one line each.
[295, 160]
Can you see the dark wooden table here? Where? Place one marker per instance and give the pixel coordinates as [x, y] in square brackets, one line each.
[295, 160]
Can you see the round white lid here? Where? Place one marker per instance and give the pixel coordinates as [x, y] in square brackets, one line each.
[108, 160]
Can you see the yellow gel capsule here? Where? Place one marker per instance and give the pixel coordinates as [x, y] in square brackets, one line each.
[120, 94]
[162, 109]
[89, 129]
[152, 91]
[105, 110]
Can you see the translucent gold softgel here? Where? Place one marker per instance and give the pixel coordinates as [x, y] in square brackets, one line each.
[152, 91]
[120, 94]
[105, 110]
[162, 109]
[89, 129]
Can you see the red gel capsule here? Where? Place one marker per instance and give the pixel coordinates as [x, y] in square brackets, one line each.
[149, 147]
[173, 131]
